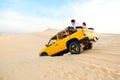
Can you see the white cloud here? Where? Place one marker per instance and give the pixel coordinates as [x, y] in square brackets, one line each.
[12, 21]
[103, 15]
[100, 14]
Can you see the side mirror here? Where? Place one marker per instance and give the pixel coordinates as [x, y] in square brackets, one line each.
[46, 45]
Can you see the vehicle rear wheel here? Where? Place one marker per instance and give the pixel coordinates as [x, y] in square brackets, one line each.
[74, 47]
[88, 46]
[44, 54]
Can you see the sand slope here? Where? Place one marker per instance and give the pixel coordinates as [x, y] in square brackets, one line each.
[19, 59]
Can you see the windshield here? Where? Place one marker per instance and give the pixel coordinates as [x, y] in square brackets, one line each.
[53, 40]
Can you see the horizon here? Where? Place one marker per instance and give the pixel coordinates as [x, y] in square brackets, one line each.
[12, 33]
[27, 16]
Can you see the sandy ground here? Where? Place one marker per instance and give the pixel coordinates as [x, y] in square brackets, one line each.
[19, 59]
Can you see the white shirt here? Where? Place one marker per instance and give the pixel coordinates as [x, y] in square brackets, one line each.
[76, 24]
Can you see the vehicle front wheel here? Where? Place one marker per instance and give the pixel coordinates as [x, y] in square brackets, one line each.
[74, 47]
[44, 54]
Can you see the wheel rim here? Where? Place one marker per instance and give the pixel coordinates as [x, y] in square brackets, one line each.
[74, 48]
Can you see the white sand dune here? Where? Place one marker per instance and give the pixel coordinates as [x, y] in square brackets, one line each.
[19, 59]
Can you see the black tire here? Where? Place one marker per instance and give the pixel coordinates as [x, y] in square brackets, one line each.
[44, 54]
[74, 47]
[88, 46]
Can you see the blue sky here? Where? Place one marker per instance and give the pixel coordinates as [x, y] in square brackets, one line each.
[17, 16]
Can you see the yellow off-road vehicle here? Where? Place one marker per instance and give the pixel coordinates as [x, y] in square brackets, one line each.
[70, 41]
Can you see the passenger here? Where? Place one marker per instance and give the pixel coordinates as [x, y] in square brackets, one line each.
[84, 25]
[73, 27]
[63, 34]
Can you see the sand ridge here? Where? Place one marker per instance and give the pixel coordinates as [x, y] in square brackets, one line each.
[19, 59]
